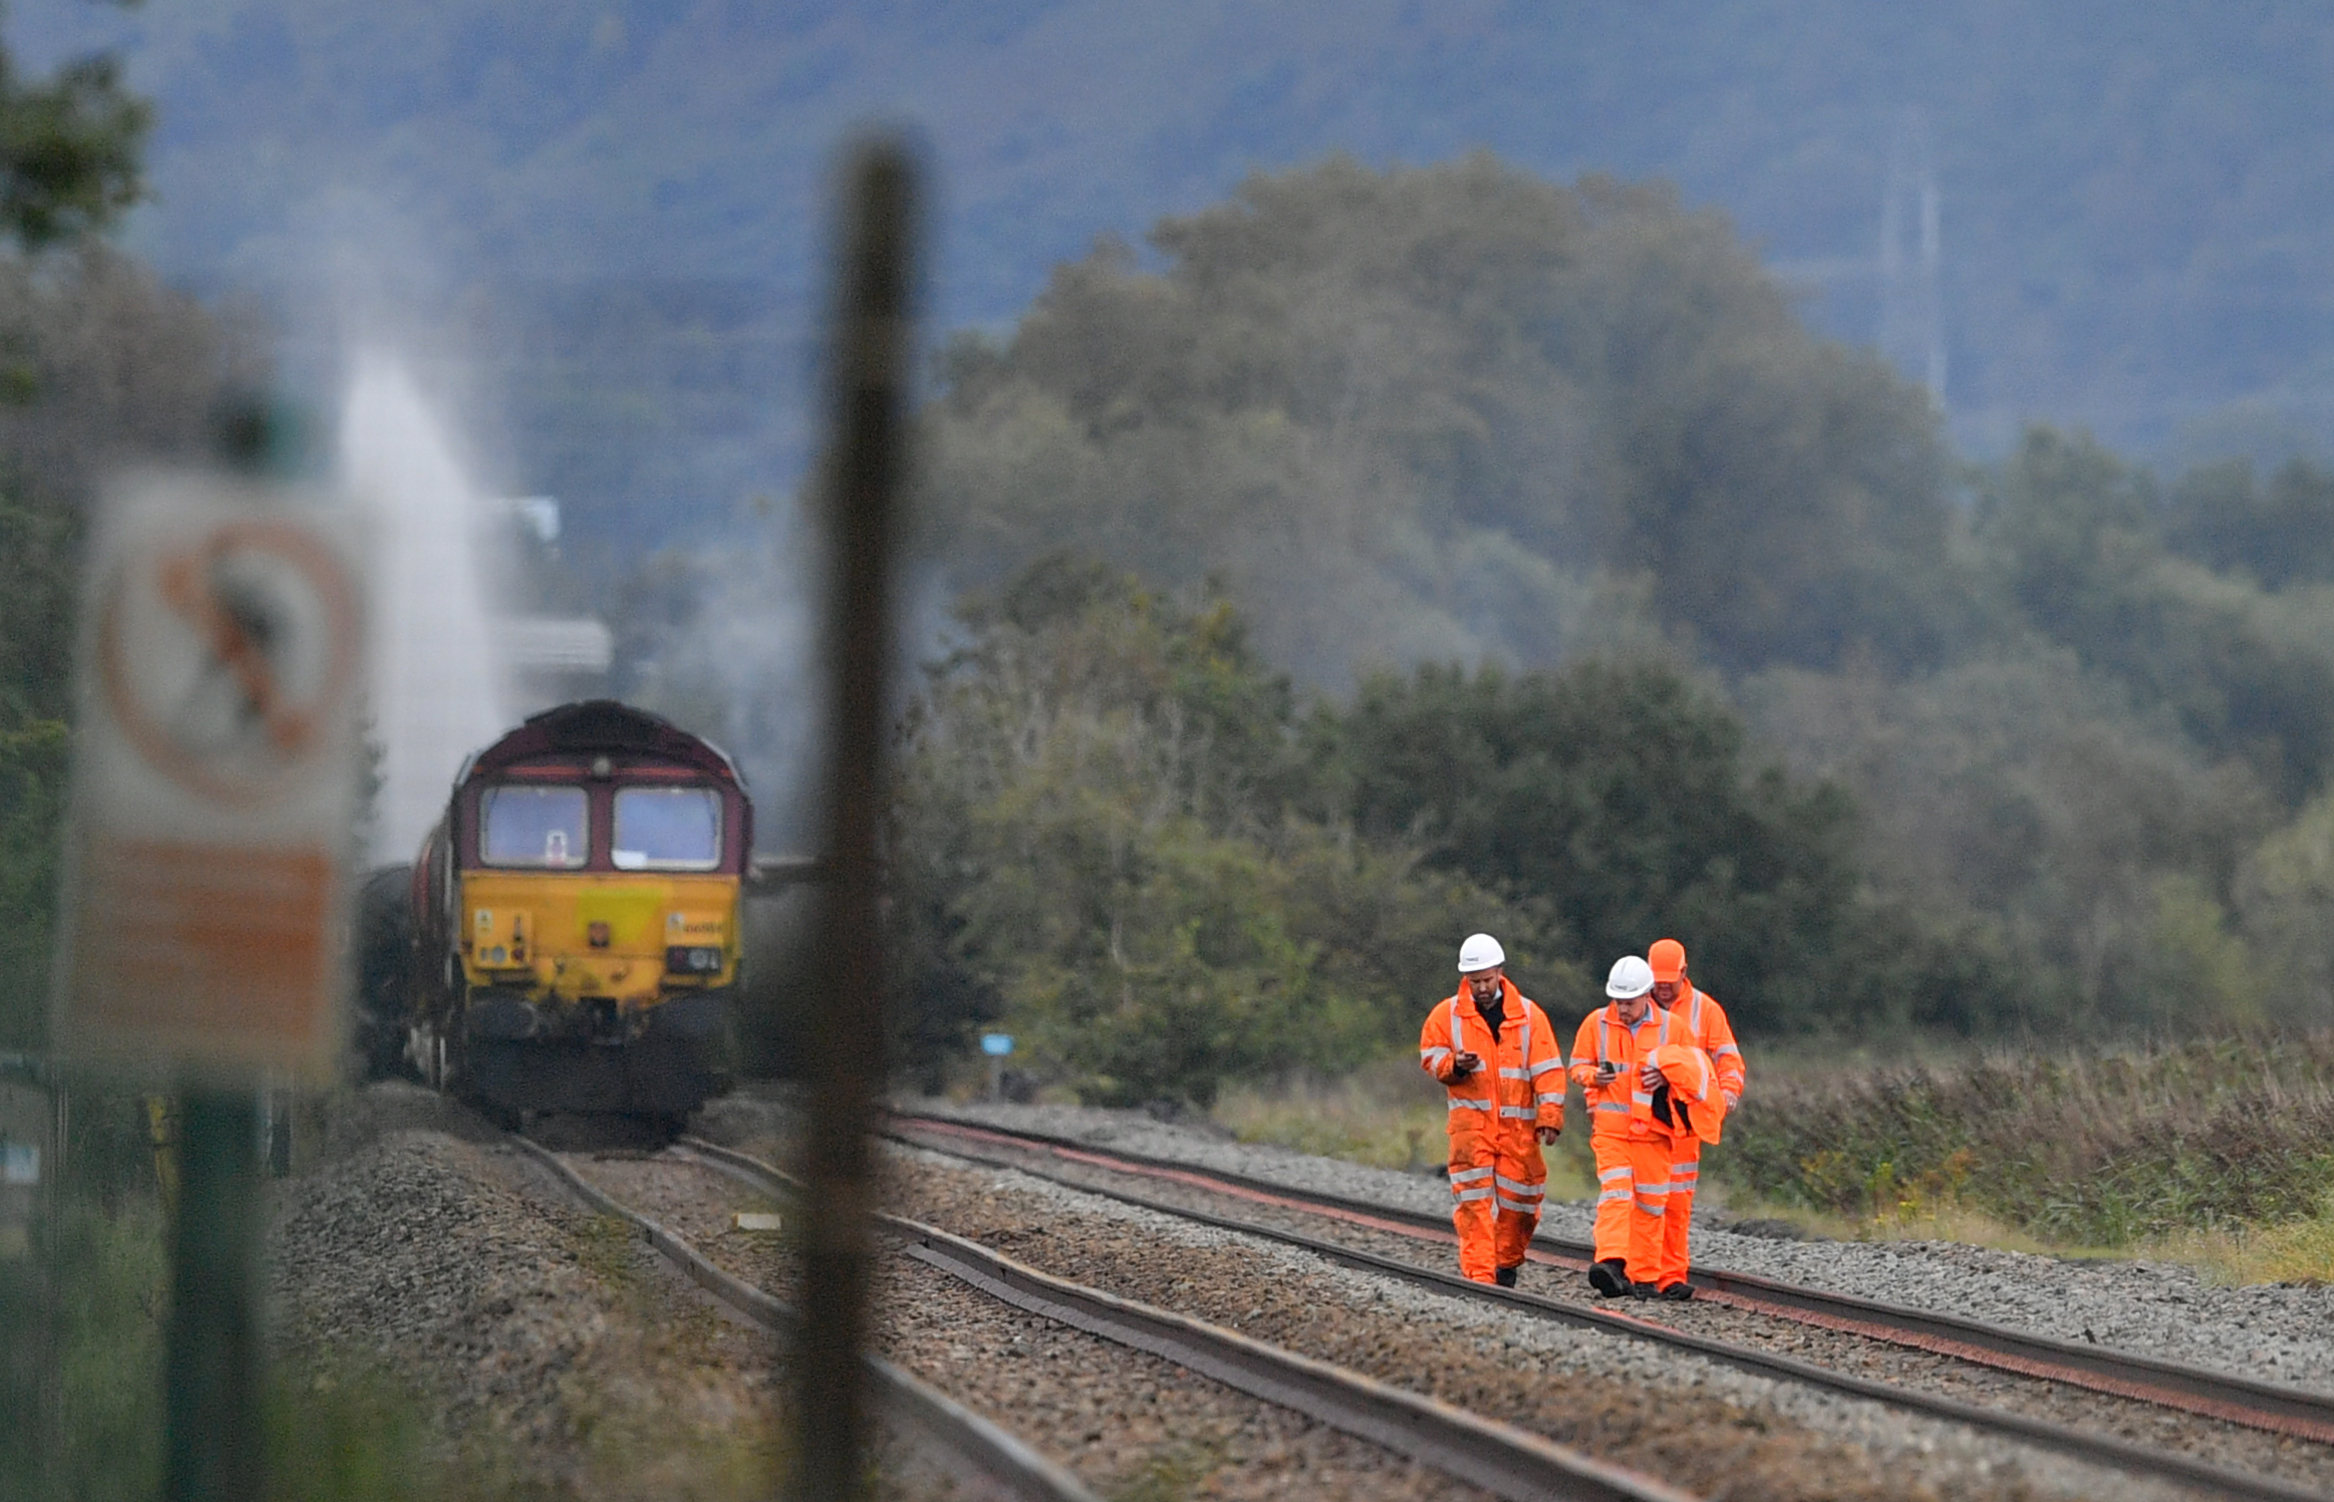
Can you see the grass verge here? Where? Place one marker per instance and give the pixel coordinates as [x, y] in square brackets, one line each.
[1386, 1115]
[2217, 1151]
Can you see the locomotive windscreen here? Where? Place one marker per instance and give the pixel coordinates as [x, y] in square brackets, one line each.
[535, 826]
[667, 829]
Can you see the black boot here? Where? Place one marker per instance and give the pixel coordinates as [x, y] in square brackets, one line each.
[1643, 1290]
[1679, 1291]
[1504, 1276]
[1609, 1277]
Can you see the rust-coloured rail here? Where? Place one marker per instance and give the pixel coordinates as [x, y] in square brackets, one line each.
[1504, 1460]
[2100, 1369]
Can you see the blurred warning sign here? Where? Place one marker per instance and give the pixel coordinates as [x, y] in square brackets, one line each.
[215, 779]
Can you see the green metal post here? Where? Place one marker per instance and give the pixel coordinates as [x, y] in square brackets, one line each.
[212, 1364]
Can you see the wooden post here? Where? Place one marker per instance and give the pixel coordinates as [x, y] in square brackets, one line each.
[844, 1029]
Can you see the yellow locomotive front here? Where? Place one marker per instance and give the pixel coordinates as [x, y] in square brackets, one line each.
[581, 901]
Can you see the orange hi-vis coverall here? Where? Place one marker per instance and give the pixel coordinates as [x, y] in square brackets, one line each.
[1708, 1029]
[1498, 1177]
[1633, 1148]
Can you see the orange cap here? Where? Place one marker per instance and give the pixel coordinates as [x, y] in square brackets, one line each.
[1668, 959]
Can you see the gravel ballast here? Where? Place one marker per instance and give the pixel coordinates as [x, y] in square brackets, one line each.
[1705, 1427]
[2149, 1426]
[1698, 1424]
[1126, 1423]
[2275, 1333]
[552, 1354]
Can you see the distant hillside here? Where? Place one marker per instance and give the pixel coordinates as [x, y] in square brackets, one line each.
[2137, 215]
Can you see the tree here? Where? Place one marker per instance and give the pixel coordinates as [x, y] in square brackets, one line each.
[1099, 842]
[1421, 413]
[1623, 798]
[2279, 533]
[71, 150]
[97, 363]
[2072, 538]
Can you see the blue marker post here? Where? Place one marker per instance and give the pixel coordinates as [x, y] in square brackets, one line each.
[999, 1048]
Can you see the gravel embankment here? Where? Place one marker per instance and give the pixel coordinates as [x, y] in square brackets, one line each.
[2277, 1333]
[554, 1356]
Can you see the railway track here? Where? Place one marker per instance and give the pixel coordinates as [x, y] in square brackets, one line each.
[1501, 1459]
[920, 1409]
[2286, 1424]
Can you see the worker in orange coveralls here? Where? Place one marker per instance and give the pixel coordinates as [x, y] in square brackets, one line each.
[1642, 1076]
[1491, 1047]
[1707, 1026]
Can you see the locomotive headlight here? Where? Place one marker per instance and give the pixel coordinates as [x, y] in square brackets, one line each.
[692, 959]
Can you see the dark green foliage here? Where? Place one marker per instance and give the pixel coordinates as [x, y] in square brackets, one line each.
[106, 365]
[1623, 798]
[1412, 413]
[70, 151]
[2279, 531]
[1098, 846]
[2230, 1129]
[2073, 534]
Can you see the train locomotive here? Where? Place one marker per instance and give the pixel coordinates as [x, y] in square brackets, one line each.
[572, 939]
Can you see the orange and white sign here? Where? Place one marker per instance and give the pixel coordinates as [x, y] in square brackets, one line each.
[215, 780]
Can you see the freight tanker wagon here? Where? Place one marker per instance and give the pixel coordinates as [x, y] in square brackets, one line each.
[574, 942]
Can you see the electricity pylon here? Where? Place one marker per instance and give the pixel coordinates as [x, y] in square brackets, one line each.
[1912, 324]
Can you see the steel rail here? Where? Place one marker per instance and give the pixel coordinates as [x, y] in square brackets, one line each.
[2084, 1445]
[1501, 1458]
[913, 1404]
[2106, 1369]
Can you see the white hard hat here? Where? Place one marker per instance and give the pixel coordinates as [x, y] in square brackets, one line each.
[1631, 977]
[1480, 952]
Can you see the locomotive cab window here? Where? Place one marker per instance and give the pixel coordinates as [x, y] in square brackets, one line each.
[667, 829]
[535, 826]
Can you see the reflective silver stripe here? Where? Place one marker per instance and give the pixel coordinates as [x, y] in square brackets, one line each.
[1654, 1190]
[1518, 1186]
[1432, 1054]
[1621, 1193]
[1458, 1044]
[1469, 1196]
[1515, 1074]
[1660, 1209]
[1461, 1104]
[1539, 1069]
[1547, 1100]
[1523, 1032]
[1507, 1204]
[1723, 1049]
[1616, 1173]
[1685, 1171]
[1614, 1106]
[1470, 1175]
[1519, 1113]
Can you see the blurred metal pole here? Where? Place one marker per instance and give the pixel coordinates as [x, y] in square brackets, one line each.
[212, 1438]
[844, 1026]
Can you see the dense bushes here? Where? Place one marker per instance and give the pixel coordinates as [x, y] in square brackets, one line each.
[1118, 835]
[1625, 799]
[1097, 842]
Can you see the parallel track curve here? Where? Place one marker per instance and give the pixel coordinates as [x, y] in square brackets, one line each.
[2199, 1391]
